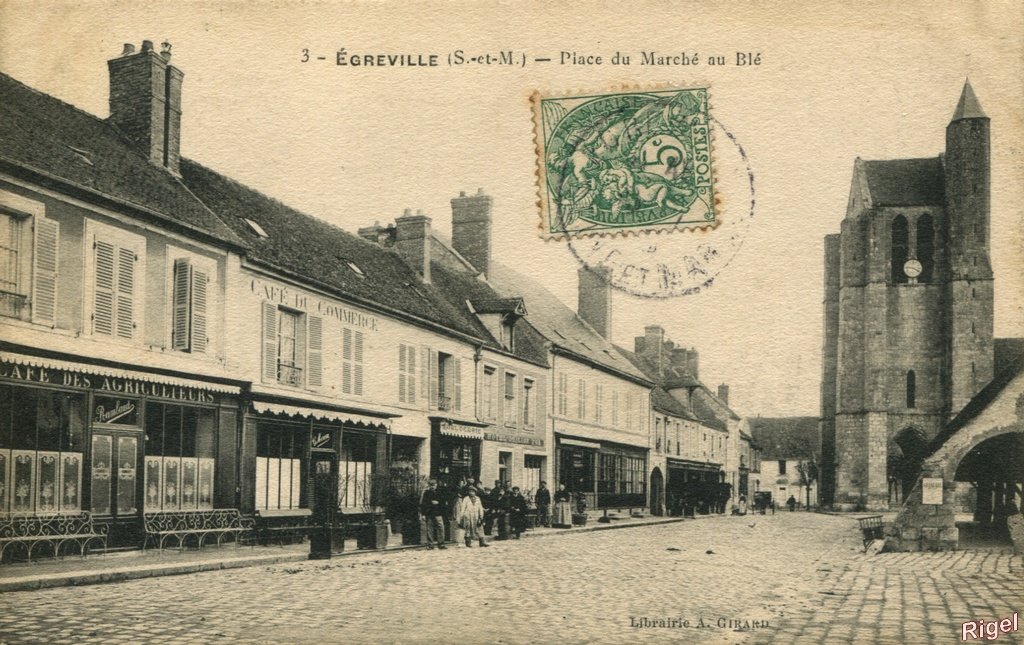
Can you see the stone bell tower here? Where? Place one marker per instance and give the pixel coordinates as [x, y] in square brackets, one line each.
[907, 311]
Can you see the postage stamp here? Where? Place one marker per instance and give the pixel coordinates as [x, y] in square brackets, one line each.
[624, 161]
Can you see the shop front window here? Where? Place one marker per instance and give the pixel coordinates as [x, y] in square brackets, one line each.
[179, 457]
[42, 434]
[280, 454]
[355, 471]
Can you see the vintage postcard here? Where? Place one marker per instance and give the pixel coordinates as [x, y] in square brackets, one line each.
[536, 322]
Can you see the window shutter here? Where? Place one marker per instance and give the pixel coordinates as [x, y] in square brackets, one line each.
[125, 293]
[410, 381]
[346, 360]
[402, 367]
[458, 383]
[269, 342]
[44, 284]
[314, 351]
[425, 375]
[200, 284]
[103, 293]
[433, 380]
[180, 298]
[358, 364]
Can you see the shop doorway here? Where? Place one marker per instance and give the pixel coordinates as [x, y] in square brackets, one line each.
[657, 491]
[114, 459]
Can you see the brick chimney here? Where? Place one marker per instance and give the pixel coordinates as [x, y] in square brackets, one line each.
[651, 346]
[686, 359]
[471, 229]
[145, 102]
[595, 298]
[723, 393]
[412, 241]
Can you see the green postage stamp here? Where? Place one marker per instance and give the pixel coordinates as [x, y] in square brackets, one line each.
[624, 161]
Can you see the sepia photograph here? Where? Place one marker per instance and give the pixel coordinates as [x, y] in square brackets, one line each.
[680, 322]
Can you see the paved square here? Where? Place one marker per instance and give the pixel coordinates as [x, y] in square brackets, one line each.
[788, 578]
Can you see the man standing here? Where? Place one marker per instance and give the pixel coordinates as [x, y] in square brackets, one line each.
[432, 510]
[543, 501]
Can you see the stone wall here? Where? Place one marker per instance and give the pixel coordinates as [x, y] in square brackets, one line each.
[925, 527]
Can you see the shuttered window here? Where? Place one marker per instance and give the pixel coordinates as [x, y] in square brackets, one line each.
[189, 307]
[314, 351]
[114, 289]
[407, 374]
[46, 265]
[352, 361]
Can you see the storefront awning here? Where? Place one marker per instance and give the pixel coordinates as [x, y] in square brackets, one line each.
[453, 429]
[114, 372]
[678, 464]
[582, 444]
[346, 418]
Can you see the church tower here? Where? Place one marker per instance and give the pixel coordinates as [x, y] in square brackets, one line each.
[907, 312]
[966, 166]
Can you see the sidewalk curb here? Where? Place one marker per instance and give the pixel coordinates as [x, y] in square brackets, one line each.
[136, 572]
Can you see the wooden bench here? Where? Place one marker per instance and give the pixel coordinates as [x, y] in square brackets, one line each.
[871, 528]
[54, 531]
[282, 524]
[181, 525]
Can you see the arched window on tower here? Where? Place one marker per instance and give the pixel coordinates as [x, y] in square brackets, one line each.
[925, 247]
[911, 389]
[899, 248]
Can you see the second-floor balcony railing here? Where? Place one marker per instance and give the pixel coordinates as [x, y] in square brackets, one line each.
[289, 374]
[11, 304]
[444, 402]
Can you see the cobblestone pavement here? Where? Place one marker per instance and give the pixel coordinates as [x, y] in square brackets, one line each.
[733, 580]
[907, 598]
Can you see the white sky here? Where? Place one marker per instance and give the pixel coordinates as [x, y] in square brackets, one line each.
[354, 145]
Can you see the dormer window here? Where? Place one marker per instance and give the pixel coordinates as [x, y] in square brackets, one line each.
[508, 333]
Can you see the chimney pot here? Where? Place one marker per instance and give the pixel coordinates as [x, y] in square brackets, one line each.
[407, 211]
[462, 193]
[128, 50]
[165, 50]
[147, 45]
[479, 191]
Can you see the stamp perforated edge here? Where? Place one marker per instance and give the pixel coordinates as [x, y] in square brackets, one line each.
[540, 172]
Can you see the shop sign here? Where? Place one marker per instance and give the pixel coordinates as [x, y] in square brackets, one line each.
[321, 439]
[310, 304]
[931, 490]
[513, 438]
[104, 383]
[122, 412]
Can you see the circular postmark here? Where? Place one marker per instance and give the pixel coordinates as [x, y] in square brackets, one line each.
[678, 263]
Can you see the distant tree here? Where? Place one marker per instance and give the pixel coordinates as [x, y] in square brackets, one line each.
[808, 470]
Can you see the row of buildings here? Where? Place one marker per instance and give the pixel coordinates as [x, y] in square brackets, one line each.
[173, 339]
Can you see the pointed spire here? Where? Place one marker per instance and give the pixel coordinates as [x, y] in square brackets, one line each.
[968, 107]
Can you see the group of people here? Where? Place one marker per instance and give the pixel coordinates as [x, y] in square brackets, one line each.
[475, 511]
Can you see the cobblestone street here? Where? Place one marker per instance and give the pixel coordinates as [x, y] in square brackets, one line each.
[792, 577]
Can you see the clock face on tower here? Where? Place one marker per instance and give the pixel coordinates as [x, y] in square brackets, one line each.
[912, 268]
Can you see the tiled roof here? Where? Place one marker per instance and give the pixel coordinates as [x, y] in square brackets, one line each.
[327, 256]
[1011, 366]
[59, 145]
[1007, 353]
[702, 402]
[905, 182]
[560, 325]
[662, 401]
[786, 437]
[460, 286]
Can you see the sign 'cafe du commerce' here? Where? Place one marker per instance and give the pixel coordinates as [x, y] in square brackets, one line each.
[114, 442]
